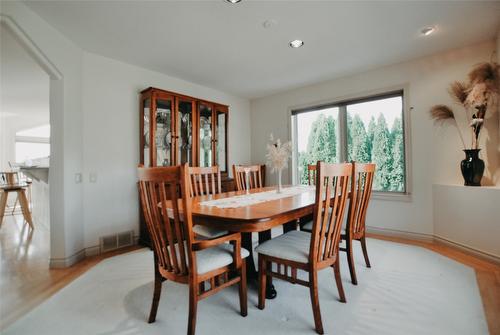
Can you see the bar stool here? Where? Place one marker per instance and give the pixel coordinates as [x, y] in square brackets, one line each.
[10, 182]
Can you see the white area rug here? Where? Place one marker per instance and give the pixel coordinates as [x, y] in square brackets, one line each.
[409, 290]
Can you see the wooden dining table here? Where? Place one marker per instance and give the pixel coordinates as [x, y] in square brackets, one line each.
[256, 218]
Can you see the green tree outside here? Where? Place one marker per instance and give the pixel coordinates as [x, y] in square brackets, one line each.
[376, 144]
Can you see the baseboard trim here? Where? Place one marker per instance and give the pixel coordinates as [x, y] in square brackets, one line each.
[401, 234]
[58, 263]
[437, 239]
[467, 249]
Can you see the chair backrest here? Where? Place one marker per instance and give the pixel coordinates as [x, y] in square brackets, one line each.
[9, 178]
[165, 197]
[254, 178]
[361, 190]
[331, 194]
[311, 174]
[204, 180]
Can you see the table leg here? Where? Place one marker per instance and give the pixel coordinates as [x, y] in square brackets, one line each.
[252, 274]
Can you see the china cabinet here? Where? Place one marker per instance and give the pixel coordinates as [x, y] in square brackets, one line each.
[177, 129]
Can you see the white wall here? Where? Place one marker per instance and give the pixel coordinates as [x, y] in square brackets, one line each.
[435, 153]
[64, 57]
[111, 140]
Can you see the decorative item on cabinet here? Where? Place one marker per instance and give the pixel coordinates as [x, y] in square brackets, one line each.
[176, 129]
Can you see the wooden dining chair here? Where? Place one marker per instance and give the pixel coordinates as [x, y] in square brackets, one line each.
[298, 250]
[311, 174]
[361, 190]
[205, 181]
[255, 177]
[165, 196]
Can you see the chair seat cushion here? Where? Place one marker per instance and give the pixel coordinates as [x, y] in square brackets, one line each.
[216, 257]
[208, 232]
[308, 226]
[293, 246]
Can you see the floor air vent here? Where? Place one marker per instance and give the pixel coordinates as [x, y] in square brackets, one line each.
[113, 242]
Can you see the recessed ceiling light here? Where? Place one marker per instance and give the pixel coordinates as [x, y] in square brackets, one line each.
[296, 43]
[233, 1]
[427, 31]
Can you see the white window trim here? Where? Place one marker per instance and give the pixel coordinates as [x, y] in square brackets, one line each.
[377, 195]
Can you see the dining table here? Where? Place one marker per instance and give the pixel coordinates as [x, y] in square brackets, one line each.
[254, 211]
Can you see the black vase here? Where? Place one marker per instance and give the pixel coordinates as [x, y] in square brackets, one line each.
[472, 167]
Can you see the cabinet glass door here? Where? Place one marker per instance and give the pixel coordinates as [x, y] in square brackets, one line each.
[163, 132]
[205, 125]
[184, 132]
[146, 136]
[220, 137]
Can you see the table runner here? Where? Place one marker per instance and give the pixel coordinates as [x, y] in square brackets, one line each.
[256, 198]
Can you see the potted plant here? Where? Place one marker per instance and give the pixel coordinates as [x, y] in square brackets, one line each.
[477, 96]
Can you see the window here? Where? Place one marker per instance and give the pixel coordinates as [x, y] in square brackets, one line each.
[363, 130]
[32, 144]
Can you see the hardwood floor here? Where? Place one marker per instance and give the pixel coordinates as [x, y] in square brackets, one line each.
[26, 281]
[487, 274]
[25, 277]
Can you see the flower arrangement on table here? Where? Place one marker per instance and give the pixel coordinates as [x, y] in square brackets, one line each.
[277, 156]
[477, 97]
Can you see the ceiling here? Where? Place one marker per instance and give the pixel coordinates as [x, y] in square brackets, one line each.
[225, 46]
[24, 90]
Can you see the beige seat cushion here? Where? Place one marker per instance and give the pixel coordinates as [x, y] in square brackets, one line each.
[293, 246]
[208, 232]
[216, 257]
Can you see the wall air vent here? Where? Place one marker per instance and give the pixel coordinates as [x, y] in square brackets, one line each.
[117, 241]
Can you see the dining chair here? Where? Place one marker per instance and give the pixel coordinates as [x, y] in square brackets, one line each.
[165, 197]
[255, 179]
[361, 189]
[205, 181]
[298, 250]
[311, 174]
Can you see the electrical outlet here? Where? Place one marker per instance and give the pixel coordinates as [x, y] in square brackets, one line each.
[93, 177]
[78, 178]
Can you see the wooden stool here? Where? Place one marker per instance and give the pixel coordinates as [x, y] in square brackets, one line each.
[9, 182]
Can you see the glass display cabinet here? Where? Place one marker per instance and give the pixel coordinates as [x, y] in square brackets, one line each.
[177, 129]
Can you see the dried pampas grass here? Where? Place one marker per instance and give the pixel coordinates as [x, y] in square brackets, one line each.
[487, 73]
[441, 113]
[459, 91]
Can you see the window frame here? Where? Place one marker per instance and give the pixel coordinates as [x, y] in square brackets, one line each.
[341, 104]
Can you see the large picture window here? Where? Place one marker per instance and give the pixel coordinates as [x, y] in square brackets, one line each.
[364, 130]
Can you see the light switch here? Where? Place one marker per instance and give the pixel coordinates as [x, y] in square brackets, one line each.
[78, 178]
[93, 177]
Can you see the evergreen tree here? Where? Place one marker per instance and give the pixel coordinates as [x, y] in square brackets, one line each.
[321, 145]
[358, 148]
[382, 155]
[369, 137]
[398, 159]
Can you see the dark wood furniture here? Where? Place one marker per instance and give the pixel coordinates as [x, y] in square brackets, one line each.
[311, 252]
[176, 129]
[311, 174]
[205, 181]
[178, 256]
[361, 189]
[256, 176]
